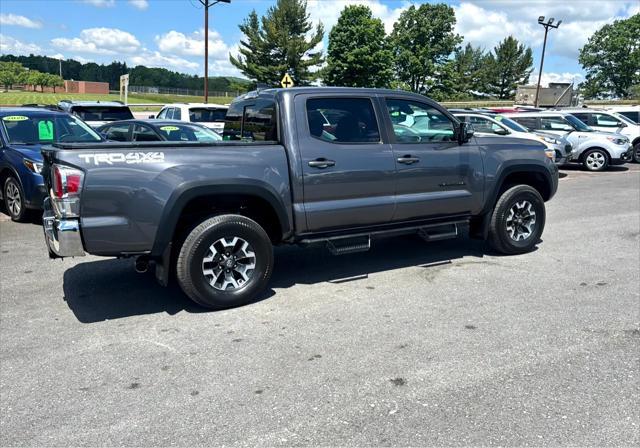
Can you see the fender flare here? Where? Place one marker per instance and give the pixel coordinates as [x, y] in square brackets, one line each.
[492, 197]
[191, 190]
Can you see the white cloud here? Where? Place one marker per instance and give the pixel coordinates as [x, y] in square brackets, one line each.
[548, 77]
[10, 45]
[193, 44]
[328, 11]
[100, 3]
[16, 20]
[140, 4]
[157, 59]
[583, 10]
[108, 41]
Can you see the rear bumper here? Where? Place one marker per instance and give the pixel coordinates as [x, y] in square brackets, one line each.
[62, 235]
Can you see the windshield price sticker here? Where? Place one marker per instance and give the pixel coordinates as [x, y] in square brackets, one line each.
[45, 130]
[15, 118]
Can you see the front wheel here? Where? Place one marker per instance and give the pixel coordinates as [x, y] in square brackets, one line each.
[596, 160]
[225, 261]
[517, 221]
[14, 199]
[636, 152]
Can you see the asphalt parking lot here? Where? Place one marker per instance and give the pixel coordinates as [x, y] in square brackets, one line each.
[409, 344]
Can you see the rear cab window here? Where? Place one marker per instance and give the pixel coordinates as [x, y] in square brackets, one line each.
[254, 120]
[207, 114]
[102, 113]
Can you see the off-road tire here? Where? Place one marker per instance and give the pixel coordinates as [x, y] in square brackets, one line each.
[499, 237]
[189, 264]
[12, 191]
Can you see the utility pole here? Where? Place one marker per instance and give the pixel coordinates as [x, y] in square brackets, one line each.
[60, 61]
[207, 4]
[547, 25]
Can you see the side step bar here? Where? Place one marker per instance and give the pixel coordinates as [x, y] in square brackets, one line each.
[342, 246]
[349, 244]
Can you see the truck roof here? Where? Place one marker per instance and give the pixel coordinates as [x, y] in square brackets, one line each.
[67, 103]
[273, 92]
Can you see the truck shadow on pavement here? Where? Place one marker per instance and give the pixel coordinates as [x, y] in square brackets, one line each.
[110, 289]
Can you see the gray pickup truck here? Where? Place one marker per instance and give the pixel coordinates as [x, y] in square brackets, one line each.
[333, 166]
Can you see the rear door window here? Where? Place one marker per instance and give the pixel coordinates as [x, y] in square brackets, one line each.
[342, 120]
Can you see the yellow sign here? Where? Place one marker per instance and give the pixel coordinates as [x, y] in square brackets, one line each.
[169, 128]
[15, 118]
[286, 81]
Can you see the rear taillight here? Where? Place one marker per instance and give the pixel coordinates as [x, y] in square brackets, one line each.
[66, 184]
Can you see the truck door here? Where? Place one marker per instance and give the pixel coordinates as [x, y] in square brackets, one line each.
[435, 175]
[348, 172]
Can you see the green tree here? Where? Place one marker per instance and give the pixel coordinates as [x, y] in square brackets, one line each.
[10, 73]
[508, 66]
[422, 41]
[53, 81]
[611, 59]
[469, 72]
[358, 53]
[281, 41]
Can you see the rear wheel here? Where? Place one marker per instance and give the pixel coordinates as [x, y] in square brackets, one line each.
[225, 261]
[14, 199]
[517, 221]
[596, 160]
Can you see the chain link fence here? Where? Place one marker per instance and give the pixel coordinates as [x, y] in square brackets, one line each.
[184, 92]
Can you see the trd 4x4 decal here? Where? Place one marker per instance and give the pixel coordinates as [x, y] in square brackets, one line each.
[120, 157]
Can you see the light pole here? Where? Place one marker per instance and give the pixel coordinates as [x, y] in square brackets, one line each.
[547, 25]
[207, 4]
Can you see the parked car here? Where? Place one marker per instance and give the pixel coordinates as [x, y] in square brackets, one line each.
[631, 112]
[608, 121]
[157, 130]
[97, 113]
[595, 150]
[212, 213]
[23, 132]
[558, 148]
[209, 115]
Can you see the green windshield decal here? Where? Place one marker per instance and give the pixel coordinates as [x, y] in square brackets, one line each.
[15, 118]
[498, 117]
[169, 128]
[45, 130]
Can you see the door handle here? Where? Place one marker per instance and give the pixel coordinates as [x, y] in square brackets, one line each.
[321, 163]
[408, 160]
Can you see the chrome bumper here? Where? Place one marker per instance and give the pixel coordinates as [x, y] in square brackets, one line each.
[62, 235]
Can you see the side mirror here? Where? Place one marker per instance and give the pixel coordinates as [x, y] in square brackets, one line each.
[501, 131]
[152, 116]
[465, 132]
[622, 125]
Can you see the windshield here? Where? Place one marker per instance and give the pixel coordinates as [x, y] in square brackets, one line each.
[577, 124]
[102, 113]
[508, 122]
[207, 114]
[188, 133]
[45, 129]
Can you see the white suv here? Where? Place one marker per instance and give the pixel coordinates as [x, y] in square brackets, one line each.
[609, 121]
[595, 150]
[209, 115]
[489, 124]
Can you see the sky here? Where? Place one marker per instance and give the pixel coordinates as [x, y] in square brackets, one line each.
[170, 33]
